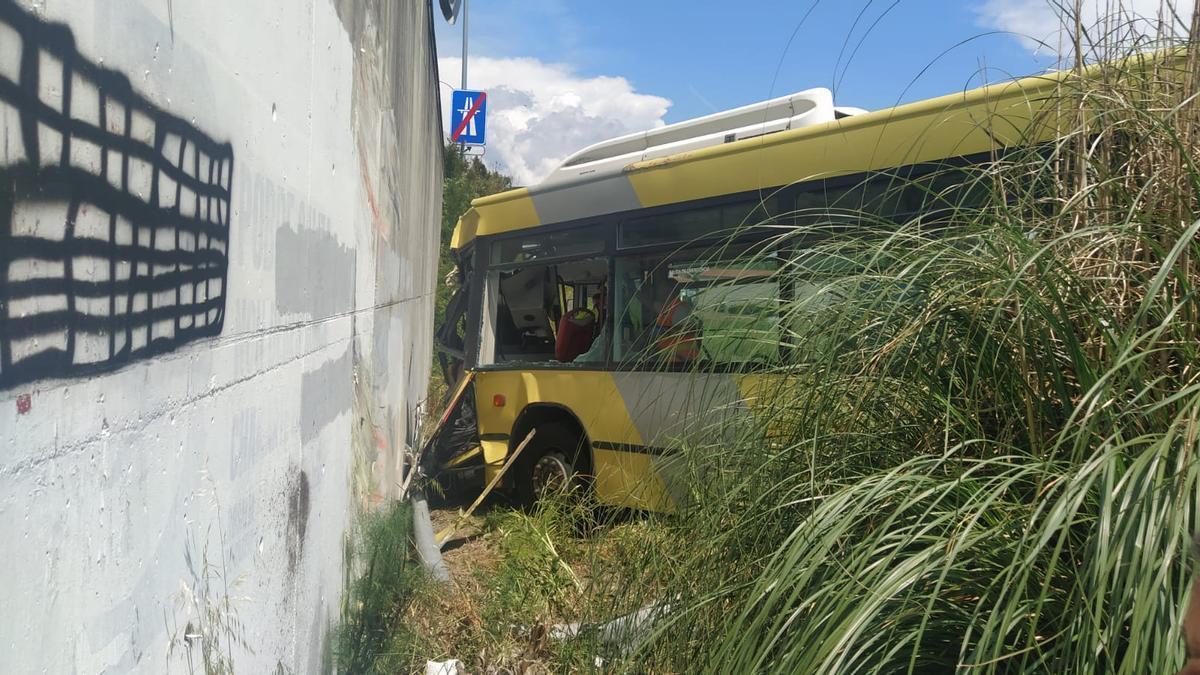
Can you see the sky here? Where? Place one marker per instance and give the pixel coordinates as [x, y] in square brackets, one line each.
[563, 74]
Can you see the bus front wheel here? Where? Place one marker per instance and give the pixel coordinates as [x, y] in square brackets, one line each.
[549, 464]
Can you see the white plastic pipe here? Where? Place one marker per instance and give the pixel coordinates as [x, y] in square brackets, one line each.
[427, 548]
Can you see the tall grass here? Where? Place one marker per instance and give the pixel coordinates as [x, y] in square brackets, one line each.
[383, 581]
[981, 449]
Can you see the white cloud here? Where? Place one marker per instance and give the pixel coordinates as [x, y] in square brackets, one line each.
[1040, 27]
[539, 113]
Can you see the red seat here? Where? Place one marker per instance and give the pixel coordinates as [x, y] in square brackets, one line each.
[575, 331]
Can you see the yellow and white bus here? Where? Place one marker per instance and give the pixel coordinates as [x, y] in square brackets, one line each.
[607, 307]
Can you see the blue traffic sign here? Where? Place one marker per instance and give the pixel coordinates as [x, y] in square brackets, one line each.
[468, 117]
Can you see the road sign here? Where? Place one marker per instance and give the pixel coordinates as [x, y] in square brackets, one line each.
[468, 117]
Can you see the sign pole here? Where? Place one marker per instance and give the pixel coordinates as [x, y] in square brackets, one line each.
[464, 56]
[462, 147]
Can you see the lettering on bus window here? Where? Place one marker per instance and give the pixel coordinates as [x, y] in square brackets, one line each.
[697, 310]
[546, 314]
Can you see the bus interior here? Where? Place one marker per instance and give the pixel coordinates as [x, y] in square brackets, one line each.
[679, 308]
[550, 313]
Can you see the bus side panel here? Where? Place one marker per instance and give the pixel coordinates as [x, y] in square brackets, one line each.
[670, 409]
[632, 420]
[622, 478]
[773, 401]
[631, 480]
[683, 419]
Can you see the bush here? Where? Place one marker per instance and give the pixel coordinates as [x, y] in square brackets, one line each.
[982, 457]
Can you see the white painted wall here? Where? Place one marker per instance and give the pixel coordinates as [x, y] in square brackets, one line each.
[136, 495]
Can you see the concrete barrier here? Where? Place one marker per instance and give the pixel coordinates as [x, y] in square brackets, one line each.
[218, 244]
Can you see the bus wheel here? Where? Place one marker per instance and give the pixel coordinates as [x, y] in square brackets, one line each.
[546, 465]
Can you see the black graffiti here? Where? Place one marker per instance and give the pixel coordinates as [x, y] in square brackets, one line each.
[114, 215]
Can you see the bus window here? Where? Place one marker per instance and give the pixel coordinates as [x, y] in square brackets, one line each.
[546, 314]
[529, 248]
[450, 335]
[933, 193]
[694, 310]
[720, 221]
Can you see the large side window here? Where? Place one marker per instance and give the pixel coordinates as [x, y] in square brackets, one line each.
[721, 221]
[572, 243]
[698, 308]
[931, 193]
[551, 313]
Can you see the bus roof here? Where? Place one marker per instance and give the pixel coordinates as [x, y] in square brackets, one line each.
[591, 183]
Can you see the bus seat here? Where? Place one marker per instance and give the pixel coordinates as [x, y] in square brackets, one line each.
[575, 331]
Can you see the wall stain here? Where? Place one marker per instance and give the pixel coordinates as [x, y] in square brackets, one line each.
[325, 393]
[297, 520]
[314, 274]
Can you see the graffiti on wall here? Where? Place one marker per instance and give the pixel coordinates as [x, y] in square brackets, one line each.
[114, 214]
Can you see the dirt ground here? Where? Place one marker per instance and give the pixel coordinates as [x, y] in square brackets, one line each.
[517, 576]
[448, 620]
[469, 547]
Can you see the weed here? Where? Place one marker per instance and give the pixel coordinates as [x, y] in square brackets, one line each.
[209, 609]
[373, 636]
[978, 455]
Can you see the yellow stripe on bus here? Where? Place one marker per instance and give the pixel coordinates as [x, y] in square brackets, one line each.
[503, 212]
[940, 128]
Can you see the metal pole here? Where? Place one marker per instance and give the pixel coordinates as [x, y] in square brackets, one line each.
[462, 148]
[464, 58]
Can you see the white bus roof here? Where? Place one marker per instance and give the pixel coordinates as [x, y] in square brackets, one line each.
[802, 109]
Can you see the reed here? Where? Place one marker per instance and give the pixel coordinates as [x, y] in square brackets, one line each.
[980, 448]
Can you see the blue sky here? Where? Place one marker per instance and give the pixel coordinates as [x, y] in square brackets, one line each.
[563, 74]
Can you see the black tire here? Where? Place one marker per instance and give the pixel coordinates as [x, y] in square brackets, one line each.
[550, 462]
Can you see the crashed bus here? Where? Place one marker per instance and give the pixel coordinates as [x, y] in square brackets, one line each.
[566, 319]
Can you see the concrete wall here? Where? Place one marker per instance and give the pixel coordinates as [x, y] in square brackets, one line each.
[218, 233]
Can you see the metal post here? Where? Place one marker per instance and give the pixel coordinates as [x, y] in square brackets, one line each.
[462, 147]
[464, 57]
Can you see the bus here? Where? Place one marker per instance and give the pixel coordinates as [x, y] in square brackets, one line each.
[626, 298]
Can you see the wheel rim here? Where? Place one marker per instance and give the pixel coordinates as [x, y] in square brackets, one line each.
[550, 473]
